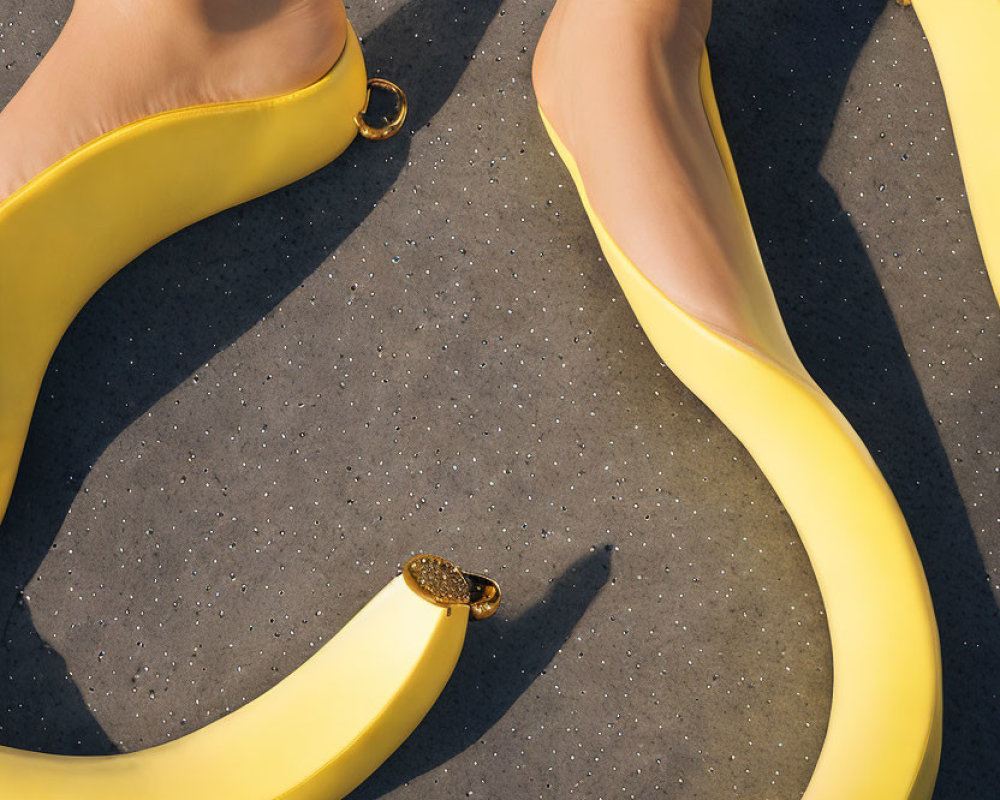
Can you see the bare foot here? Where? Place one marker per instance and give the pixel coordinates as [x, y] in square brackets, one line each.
[619, 82]
[117, 62]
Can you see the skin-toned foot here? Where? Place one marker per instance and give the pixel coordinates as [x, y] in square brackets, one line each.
[633, 116]
[619, 83]
[117, 62]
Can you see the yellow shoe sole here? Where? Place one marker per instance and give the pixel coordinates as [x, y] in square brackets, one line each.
[67, 231]
[884, 736]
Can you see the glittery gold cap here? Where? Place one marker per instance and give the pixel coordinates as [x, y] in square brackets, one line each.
[444, 584]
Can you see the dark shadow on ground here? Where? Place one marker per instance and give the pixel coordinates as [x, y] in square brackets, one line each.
[501, 659]
[168, 313]
[779, 71]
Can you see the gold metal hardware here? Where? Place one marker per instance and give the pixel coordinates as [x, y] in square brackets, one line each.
[391, 127]
[444, 584]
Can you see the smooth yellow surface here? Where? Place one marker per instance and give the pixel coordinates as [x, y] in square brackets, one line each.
[67, 231]
[965, 39]
[315, 736]
[884, 735]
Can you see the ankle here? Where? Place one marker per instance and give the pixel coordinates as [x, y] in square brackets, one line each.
[121, 61]
[274, 46]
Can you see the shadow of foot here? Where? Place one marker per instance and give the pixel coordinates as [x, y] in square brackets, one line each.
[45, 704]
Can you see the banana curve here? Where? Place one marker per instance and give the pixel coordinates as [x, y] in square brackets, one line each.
[317, 734]
[884, 734]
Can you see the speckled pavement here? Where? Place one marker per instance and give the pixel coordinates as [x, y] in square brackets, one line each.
[421, 348]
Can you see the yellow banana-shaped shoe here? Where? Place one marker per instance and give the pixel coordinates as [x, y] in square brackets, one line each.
[963, 35]
[884, 735]
[316, 735]
[67, 231]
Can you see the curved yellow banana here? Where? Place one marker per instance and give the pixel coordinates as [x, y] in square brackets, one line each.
[67, 231]
[317, 734]
[964, 35]
[884, 735]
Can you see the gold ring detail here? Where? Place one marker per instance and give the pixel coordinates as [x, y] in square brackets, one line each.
[391, 127]
[440, 582]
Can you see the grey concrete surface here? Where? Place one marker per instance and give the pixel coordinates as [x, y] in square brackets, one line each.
[421, 348]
